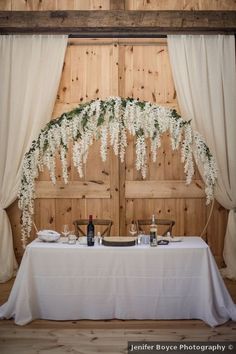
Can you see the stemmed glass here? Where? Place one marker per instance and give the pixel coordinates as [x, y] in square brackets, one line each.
[65, 230]
[133, 230]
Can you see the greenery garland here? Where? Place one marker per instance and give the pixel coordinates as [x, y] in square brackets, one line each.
[111, 120]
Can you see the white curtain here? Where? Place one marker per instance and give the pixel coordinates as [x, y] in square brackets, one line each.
[205, 79]
[30, 71]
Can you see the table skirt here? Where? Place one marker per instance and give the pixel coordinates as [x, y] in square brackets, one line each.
[57, 281]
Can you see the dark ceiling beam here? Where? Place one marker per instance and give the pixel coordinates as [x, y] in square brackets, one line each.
[115, 23]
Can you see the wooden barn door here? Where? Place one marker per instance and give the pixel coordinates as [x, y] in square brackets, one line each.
[145, 73]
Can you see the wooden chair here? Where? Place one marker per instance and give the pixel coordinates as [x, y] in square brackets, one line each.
[97, 222]
[166, 224]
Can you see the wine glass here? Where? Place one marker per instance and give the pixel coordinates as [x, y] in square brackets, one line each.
[133, 229]
[65, 230]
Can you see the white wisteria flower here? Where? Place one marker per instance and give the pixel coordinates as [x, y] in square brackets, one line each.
[111, 120]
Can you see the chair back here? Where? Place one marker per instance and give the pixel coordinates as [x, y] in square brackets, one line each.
[104, 226]
[165, 225]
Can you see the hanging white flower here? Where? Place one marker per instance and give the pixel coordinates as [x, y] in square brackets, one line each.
[64, 164]
[123, 142]
[103, 148]
[207, 163]
[141, 155]
[111, 120]
[77, 157]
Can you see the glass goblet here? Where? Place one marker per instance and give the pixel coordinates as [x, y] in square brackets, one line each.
[65, 230]
[133, 229]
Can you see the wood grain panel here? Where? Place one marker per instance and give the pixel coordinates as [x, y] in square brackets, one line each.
[91, 72]
[5, 5]
[187, 5]
[148, 74]
[117, 4]
[95, 169]
[33, 5]
[65, 5]
[91, 4]
[194, 216]
[63, 214]
[45, 214]
[74, 190]
[164, 189]
[44, 5]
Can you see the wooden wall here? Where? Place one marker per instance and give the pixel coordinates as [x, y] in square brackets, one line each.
[129, 68]
[37, 5]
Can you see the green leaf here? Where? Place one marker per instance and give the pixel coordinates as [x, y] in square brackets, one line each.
[46, 145]
[84, 121]
[100, 120]
[140, 132]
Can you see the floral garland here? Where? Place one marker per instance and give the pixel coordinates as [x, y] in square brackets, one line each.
[110, 120]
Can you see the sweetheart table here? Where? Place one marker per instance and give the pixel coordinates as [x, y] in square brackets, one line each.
[58, 281]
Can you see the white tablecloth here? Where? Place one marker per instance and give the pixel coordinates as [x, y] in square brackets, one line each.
[58, 281]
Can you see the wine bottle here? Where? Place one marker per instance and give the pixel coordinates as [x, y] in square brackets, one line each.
[90, 232]
[153, 232]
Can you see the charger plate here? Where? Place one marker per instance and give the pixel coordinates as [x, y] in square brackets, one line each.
[119, 241]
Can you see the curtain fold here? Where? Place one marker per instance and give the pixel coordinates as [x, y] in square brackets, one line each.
[204, 73]
[30, 71]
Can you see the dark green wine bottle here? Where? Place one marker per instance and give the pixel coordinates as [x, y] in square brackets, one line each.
[90, 232]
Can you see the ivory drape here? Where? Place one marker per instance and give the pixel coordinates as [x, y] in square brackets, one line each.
[30, 70]
[204, 73]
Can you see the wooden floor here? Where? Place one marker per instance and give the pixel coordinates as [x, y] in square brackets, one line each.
[111, 336]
